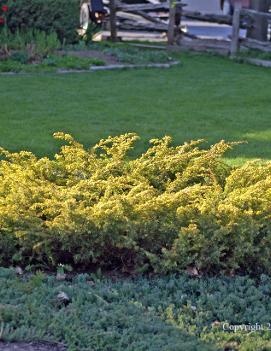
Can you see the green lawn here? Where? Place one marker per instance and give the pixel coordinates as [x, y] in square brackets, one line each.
[205, 97]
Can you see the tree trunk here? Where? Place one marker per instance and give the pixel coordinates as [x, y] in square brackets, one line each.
[260, 24]
[235, 28]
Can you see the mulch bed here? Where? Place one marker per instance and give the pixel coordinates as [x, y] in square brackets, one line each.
[31, 346]
[108, 59]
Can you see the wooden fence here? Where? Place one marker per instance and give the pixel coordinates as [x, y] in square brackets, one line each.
[166, 17]
[240, 13]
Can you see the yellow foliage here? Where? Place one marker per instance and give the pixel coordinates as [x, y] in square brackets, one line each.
[169, 209]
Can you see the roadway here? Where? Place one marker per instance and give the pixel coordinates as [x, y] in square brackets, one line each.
[209, 30]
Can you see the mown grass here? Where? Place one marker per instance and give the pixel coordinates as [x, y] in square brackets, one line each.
[205, 97]
[166, 314]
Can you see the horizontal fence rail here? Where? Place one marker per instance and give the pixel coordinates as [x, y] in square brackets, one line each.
[166, 17]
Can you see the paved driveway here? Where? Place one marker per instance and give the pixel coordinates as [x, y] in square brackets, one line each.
[207, 30]
[208, 6]
[210, 30]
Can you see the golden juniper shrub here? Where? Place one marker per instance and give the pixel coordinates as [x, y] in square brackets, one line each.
[169, 209]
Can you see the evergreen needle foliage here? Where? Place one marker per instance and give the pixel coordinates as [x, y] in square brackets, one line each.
[173, 313]
[170, 209]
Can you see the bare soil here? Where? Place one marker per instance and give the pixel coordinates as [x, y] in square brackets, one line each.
[31, 346]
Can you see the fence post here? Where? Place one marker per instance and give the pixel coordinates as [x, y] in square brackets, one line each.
[260, 25]
[178, 23]
[235, 28]
[171, 22]
[113, 20]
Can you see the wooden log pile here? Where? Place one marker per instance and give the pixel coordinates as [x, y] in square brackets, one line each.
[144, 17]
[141, 26]
[248, 43]
[215, 18]
[164, 6]
[155, 17]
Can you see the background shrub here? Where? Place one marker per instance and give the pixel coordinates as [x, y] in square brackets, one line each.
[171, 209]
[60, 16]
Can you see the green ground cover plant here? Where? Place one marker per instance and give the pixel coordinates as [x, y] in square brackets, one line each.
[27, 46]
[31, 51]
[168, 210]
[133, 55]
[174, 313]
[34, 51]
[49, 64]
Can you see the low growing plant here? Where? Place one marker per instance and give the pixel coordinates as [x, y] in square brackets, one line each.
[133, 55]
[72, 62]
[171, 209]
[18, 62]
[170, 313]
[31, 44]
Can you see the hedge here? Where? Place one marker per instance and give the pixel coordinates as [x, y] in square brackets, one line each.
[171, 209]
[60, 16]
